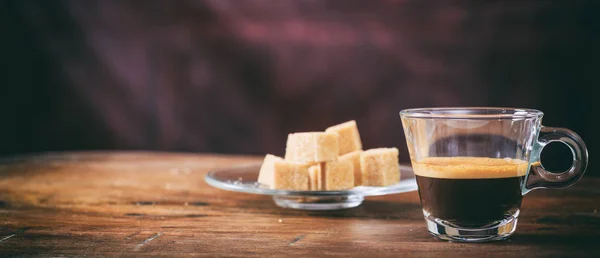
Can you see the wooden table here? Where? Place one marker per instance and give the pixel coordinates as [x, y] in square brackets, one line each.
[134, 203]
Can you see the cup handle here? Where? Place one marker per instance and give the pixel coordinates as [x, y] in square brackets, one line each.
[538, 177]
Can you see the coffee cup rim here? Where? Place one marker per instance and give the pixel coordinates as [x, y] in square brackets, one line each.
[471, 113]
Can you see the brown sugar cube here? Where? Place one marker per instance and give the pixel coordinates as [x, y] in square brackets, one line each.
[311, 147]
[354, 158]
[265, 175]
[349, 137]
[379, 167]
[280, 174]
[333, 175]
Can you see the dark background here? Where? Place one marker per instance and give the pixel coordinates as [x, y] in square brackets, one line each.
[229, 76]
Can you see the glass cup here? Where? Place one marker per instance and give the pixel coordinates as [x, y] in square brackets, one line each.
[473, 166]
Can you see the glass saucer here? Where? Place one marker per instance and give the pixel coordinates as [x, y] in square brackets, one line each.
[243, 179]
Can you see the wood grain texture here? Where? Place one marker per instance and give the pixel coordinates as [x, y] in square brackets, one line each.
[137, 203]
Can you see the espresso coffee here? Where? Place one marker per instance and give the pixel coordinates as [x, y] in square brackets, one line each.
[470, 191]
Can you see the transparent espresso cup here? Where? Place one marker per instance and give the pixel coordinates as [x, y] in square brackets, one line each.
[473, 166]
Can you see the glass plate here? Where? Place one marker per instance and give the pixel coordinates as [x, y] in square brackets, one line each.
[243, 179]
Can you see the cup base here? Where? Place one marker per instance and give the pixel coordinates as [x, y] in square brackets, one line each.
[498, 230]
